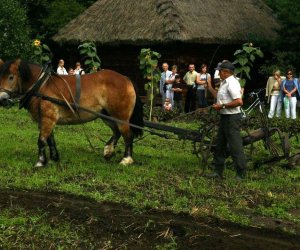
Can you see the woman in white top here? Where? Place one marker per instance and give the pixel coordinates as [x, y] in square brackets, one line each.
[61, 69]
[273, 94]
[169, 83]
[203, 78]
[78, 70]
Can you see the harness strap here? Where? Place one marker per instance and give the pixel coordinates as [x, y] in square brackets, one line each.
[190, 135]
[25, 99]
[44, 76]
[78, 90]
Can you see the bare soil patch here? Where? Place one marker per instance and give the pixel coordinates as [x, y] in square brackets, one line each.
[125, 228]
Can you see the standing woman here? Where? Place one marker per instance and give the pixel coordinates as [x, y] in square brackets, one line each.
[203, 79]
[273, 94]
[290, 87]
[60, 68]
[168, 84]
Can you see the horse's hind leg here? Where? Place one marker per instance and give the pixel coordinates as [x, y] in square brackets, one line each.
[52, 147]
[42, 161]
[112, 142]
[128, 139]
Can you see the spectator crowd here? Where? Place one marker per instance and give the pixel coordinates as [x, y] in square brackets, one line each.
[282, 92]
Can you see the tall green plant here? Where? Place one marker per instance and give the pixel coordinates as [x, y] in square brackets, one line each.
[88, 51]
[244, 59]
[41, 52]
[148, 65]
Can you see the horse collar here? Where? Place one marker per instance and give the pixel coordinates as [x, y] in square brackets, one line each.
[78, 90]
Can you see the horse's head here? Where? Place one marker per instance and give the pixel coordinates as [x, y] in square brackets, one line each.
[12, 74]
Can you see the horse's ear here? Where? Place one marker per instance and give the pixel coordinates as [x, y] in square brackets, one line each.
[16, 65]
[18, 62]
[1, 62]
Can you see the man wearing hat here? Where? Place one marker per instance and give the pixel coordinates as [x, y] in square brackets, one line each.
[229, 101]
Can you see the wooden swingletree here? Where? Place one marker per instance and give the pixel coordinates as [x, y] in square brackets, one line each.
[148, 64]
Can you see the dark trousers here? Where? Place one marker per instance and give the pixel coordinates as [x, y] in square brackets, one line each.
[178, 105]
[229, 134]
[189, 100]
[200, 97]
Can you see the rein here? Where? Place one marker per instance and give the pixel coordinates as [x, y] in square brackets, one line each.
[98, 114]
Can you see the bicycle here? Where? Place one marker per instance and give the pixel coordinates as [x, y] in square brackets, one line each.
[257, 102]
[264, 132]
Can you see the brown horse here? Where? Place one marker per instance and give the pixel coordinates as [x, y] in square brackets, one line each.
[105, 92]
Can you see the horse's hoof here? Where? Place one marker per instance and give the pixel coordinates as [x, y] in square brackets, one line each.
[55, 158]
[39, 164]
[126, 161]
[108, 157]
[108, 152]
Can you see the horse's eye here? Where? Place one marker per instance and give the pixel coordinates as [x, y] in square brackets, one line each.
[10, 78]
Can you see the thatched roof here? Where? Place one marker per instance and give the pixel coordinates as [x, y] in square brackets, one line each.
[160, 21]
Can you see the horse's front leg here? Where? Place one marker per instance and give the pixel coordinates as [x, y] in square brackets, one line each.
[46, 126]
[54, 155]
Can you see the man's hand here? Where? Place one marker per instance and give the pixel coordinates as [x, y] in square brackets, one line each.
[217, 106]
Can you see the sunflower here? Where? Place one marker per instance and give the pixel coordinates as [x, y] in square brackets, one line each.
[37, 42]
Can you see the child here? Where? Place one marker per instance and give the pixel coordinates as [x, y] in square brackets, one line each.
[71, 71]
[167, 105]
[177, 88]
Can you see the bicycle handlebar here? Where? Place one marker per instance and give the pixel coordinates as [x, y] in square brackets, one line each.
[256, 92]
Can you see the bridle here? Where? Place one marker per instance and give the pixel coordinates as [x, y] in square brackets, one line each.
[17, 93]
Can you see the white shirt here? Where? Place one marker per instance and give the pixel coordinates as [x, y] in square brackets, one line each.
[164, 76]
[230, 89]
[203, 77]
[61, 71]
[79, 71]
[217, 74]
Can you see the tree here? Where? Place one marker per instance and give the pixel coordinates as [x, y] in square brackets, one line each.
[60, 13]
[15, 31]
[286, 49]
[40, 13]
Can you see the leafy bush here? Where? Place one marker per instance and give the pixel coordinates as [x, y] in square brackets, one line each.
[15, 32]
[91, 60]
[244, 59]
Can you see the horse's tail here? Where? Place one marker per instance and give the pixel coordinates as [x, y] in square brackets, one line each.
[137, 115]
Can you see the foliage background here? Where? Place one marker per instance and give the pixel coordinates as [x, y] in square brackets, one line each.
[285, 51]
[24, 20]
[15, 30]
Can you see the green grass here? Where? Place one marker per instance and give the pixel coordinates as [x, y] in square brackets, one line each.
[26, 230]
[165, 175]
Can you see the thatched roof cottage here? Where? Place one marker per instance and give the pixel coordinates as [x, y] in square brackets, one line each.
[183, 31]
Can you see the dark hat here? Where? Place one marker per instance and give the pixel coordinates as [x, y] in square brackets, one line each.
[177, 76]
[226, 65]
[217, 68]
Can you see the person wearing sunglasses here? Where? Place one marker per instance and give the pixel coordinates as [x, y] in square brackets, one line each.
[290, 89]
[273, 94]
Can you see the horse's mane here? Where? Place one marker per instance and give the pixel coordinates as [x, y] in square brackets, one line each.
[24, 69]
[5, 67]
